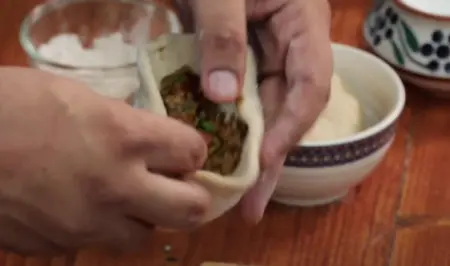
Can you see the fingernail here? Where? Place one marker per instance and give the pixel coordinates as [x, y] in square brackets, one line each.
[255, 202]
[223, 84]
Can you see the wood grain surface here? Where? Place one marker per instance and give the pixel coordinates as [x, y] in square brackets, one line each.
[399, 217]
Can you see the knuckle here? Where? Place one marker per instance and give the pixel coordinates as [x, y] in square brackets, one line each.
[191, 147]
[112, 131]
[226, 40]
[317, 87]
[188, 156]
[314, 91]
[199, 208]
[286, 24]
[295, 114]
[198, 153]
[104, 191]
[259, 10]
[323, 95]
[318, 94]
[112, 198]
[190, 214]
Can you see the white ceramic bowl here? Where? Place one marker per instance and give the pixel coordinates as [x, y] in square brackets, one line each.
[322, 172]
[414, 37]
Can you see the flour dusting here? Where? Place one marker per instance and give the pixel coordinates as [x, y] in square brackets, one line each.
[110, 51]
[106, 51]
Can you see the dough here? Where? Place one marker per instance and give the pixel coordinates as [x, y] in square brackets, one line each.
[173, 51]
[342, 117]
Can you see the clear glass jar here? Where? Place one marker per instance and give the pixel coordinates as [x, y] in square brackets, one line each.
[113, 74]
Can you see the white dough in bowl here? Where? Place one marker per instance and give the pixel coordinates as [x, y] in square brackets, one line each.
[342, 117]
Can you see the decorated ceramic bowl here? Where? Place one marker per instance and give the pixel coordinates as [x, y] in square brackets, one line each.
[317, 173]
[414, 37]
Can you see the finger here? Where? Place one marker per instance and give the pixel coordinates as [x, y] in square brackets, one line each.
[168, 145]
[156, 199]
[223, 43]
[272, 94]
[255, 201]
[303, 99]
[308, 88]
[284, 24]
[308, 84]
[301, 106]
[306, 98]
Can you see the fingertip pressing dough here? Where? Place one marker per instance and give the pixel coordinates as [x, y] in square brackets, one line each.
[342, 117]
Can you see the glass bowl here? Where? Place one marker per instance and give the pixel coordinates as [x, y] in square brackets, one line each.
[95, 41]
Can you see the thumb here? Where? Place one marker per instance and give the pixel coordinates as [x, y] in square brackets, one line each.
[221, 28]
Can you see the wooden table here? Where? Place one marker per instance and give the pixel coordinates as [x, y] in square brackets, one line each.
[399, 217]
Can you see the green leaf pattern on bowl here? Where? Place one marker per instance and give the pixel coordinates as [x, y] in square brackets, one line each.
[411, 38]
[429, 56]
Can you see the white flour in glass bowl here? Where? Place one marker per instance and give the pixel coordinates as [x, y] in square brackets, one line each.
[107, 51]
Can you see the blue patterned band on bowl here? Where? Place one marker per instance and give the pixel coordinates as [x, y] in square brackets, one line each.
[335, 155]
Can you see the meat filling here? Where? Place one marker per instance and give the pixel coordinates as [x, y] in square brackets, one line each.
[223, 132]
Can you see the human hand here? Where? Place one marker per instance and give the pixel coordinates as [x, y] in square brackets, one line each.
[294, 49]
[78, 169]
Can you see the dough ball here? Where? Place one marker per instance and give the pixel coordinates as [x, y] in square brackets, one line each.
[342, 117]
